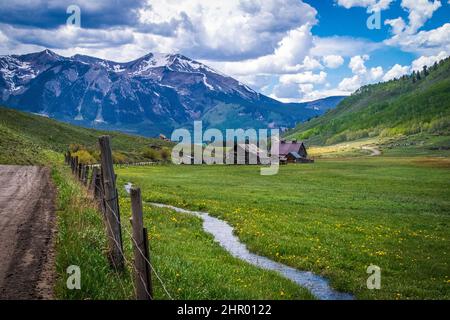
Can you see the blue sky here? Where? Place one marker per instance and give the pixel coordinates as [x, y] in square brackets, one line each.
[291, 50]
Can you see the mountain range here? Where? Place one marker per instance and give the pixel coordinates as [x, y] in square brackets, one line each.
[153, 94]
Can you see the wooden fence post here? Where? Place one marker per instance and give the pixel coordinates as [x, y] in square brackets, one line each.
[75, 172]
[112, 214]
[142, 274]
[95, 183]
[80, 171]
[86, 175]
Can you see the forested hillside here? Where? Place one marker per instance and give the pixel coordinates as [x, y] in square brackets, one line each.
[412, 104]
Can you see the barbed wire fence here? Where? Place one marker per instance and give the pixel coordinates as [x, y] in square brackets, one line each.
[102, 185]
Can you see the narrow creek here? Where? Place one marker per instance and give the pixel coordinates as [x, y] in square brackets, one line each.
[223, 234]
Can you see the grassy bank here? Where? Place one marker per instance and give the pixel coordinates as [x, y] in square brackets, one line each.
[24, 139]
[335, 217]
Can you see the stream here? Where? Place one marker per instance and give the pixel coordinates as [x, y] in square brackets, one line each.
[223, 234]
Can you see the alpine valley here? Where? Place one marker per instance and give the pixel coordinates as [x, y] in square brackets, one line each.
[147, 96]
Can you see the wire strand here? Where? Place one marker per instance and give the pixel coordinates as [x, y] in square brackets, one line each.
[135, 242]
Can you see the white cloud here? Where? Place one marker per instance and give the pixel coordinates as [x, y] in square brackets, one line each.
[297, 86]
[310, 63]
[230, 30]
[371, 5]
[419, 12]
[342, 46]
[361, 75]
[428, 61]
[396, 72]
[424, 42]
[350, 84]
[306, 88]
[288, 57]
[333, 61]
[357, 65]
[306, 77]
[398, 25]
[375, 73]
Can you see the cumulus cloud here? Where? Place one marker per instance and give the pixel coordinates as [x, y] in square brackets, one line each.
[361, 74]
[350, 84]
[371, 5]
[231, 30]
[419, 12]
[424, 42]
[375, 73]
[428, 61]
[398, 25]
[214, 29]
[357, 64]
[333, 61]
[396, 72]
[297, 86]
[306, 77]
[290, 56]
[406, 35]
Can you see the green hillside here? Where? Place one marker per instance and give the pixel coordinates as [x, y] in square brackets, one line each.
[27, 139]
[418, 103]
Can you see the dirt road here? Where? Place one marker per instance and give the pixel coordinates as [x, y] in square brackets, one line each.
[375, 151]
[27, 228]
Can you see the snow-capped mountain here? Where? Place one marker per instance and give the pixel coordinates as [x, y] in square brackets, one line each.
[150, 95]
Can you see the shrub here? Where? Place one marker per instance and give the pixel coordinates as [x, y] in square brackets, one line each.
[151, 154]
[84, 157]
[439, 125]
[165, 154]
[119, 157]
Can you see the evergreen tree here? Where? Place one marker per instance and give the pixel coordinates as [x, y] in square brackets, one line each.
[425, 71]
[435, 66]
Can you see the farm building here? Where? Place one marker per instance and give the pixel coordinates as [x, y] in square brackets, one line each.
[250, 151]
[163, 137]
[293, 152]
[289, 152]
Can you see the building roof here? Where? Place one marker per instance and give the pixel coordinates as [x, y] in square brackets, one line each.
[290, 146]
[250, 148]
[295, 155]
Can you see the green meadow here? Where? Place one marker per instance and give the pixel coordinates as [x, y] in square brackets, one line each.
[335, 217]
[187, 260]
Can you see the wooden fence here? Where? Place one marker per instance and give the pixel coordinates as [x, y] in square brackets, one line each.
[101, 183]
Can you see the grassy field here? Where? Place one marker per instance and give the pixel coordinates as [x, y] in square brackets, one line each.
[335, 217]
[188, 261]
[399, 146]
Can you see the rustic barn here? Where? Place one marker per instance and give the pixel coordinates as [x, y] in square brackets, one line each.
[293, 152]
[251, 151]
